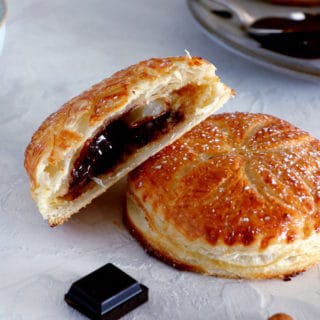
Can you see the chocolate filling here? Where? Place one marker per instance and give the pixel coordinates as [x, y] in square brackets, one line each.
[113, 144]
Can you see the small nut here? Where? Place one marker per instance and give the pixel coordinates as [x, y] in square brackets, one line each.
[280, 316]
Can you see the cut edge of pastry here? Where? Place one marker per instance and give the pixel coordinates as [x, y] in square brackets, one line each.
[234, 262]
[57, 144]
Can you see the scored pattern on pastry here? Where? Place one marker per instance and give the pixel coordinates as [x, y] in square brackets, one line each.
[238, 178]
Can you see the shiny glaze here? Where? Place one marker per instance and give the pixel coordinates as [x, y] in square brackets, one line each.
[236, 178]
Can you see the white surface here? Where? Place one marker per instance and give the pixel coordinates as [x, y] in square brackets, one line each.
[54, 50]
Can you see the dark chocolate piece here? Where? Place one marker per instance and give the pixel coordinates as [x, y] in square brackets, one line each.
[107, 293]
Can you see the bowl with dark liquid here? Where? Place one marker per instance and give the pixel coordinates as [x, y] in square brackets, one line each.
[293, 49]
[297, 2]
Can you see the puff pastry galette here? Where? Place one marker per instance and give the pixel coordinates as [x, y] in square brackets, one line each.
[99, 136]
[238, 196]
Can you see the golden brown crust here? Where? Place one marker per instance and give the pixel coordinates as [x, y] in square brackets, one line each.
[104, 98]
[255, 174]
[155, 252]
[190, 88]
[163, 255]
[236, 181]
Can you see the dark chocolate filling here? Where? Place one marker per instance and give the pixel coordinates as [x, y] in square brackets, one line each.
[113, 144]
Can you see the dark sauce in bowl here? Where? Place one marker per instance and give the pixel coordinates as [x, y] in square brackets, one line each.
[299, 38]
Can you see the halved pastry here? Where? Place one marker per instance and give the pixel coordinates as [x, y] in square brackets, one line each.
[238, 196]
[99, 136]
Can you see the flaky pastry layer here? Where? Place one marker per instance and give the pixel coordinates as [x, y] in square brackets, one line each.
[57, 144]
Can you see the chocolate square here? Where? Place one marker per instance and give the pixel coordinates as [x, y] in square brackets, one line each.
[107, 293]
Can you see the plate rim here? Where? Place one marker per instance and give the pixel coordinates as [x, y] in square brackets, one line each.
[247, 54]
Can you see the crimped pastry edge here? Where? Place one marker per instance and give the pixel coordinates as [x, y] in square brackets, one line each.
[134, 219]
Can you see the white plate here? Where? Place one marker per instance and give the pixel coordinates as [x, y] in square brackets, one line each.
[3, 15]
[228, 33]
